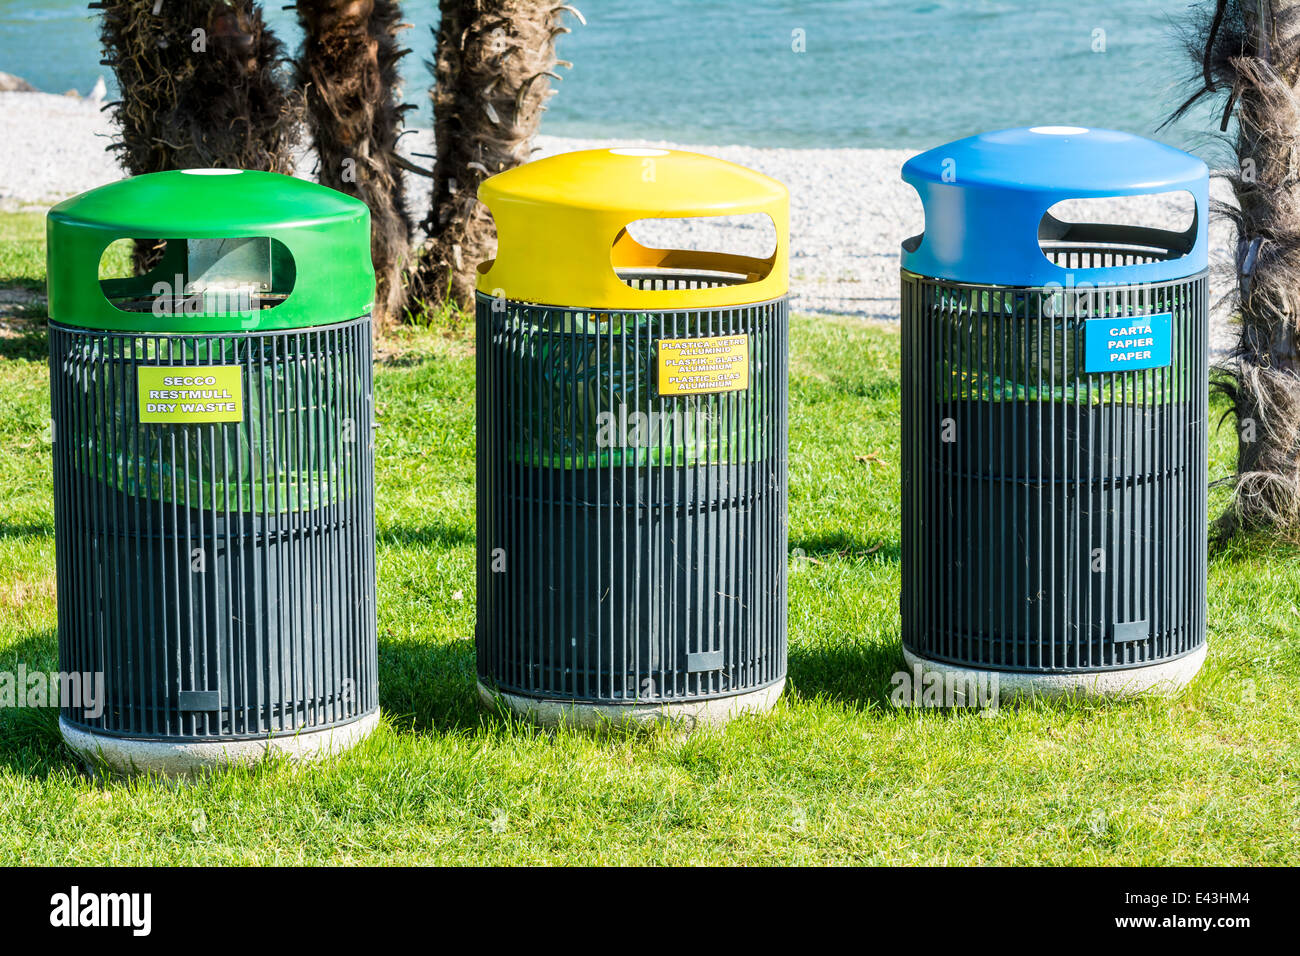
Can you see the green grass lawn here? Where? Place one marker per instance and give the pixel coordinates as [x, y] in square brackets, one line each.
[835, 774]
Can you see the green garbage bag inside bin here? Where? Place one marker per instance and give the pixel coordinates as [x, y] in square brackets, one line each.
[278, 458]
[599, 404]
[1017, 345]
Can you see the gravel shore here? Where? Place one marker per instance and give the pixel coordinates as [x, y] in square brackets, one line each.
[849, 209]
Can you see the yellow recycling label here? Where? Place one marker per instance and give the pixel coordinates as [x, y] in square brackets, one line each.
[190, 394]
[699, 366]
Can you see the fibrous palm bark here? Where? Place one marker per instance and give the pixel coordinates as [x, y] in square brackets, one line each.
[202, 85]
[348, 71]
[495, 61]
[1248, 59]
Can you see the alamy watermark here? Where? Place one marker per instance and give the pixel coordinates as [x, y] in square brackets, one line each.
[78, 908]
[37, 689]
[188, 298]
[624, 428]
[928, 688]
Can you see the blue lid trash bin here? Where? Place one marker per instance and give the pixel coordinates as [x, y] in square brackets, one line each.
[1054, 404]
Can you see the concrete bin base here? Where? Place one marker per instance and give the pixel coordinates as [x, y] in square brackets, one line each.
[125, 756]
[685, 716]
[1167, 677]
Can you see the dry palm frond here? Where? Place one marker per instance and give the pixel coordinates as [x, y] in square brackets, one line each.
[495, 61]
[1248, 61]
[348, 72]
[202, 85]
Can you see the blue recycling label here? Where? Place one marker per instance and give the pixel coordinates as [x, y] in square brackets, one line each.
[1127, 343]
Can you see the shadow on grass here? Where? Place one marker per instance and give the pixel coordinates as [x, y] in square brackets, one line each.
[403, 359]
[847, 547]
[433, 535]
[30, 743]
[37, 651]
[848, 673]
[30, 530]
[24, 340]
[422, 689]
[429, 687]
[1250, 546]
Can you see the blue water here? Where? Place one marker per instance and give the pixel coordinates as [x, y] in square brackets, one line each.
[875, 72]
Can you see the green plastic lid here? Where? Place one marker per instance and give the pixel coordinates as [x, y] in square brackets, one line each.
[244, 250]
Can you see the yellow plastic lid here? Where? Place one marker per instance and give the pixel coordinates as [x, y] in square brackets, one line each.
[561, 229]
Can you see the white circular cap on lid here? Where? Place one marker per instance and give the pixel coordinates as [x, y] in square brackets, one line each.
[212, 172]
[1058, 130]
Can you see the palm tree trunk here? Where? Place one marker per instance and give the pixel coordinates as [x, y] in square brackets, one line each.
[1248, 54]
[495, 60]
[348, 71]
[202, 85]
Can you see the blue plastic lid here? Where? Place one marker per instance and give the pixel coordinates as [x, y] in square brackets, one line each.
[985, 198]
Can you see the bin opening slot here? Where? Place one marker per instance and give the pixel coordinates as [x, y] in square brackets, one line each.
[1100, 233]
[695, 252]
[914, 218]
[197, 276]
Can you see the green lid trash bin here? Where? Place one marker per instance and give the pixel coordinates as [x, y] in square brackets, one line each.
[213, 470]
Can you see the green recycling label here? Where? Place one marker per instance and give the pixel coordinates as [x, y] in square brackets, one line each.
[190, 394]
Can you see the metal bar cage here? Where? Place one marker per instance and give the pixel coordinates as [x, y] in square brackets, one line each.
[220, 575]
[631, 545]
[1053, 519]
